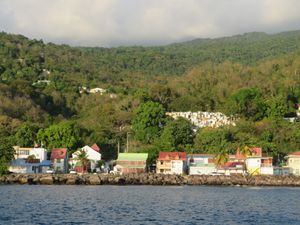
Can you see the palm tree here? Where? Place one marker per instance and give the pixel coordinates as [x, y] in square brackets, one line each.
[221, 158]
[81, 156]
[246, 151]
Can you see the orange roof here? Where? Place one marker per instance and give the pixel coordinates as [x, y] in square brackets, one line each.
[58, 153]
[95, 147]
[172, 156]
[295, 153]
[255, 152]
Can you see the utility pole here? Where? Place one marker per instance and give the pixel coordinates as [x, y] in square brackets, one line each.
[127, 142]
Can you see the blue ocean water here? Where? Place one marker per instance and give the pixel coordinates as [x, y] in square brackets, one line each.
[148, 205]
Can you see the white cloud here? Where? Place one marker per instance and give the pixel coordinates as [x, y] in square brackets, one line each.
[128, 22]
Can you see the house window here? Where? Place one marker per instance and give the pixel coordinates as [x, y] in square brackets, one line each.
[58, 160]
[161, 162]
[161, 171]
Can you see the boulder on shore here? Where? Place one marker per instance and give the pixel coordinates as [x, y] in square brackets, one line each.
[149, 179]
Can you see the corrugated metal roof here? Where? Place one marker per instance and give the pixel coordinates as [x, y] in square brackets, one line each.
[133, 156]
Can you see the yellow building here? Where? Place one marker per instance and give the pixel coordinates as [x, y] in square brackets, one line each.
[293, 163]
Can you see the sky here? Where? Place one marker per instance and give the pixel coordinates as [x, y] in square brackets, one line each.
[109, 23]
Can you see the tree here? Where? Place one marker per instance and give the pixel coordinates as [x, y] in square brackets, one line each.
[148, 120]
[221, 158]
[246, 102]
[214, 140]
[278, 107]
[26, 134]
[6, 154]
[246, 151]
[65, 134]
[176, 135]
[82, 158]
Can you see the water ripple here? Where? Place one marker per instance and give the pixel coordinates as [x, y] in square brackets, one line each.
[148, 205]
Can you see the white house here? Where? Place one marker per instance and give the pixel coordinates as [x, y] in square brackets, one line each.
[201, 164]
[93, 155]
[23, 153]
[171, 163]
[259, 165]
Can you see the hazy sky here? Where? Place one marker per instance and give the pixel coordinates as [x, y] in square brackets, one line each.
[144, 22]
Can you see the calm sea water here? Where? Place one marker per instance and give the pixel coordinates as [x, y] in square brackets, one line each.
[148, 205]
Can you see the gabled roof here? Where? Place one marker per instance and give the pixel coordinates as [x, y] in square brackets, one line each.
[58, 153]
[95, 147]
[132, 156]
[172, 156]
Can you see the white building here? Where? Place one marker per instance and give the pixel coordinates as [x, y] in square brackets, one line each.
[37, 153]
[199, 164]
[171, 163]
[93, 155]
[259, 165]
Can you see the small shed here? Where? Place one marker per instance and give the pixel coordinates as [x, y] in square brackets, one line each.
[128, 163]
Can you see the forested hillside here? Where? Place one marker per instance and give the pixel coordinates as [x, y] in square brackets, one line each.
[254, 76]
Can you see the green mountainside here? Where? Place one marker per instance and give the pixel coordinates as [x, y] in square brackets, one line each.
[255, 76]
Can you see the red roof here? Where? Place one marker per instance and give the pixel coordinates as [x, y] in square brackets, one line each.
[95, 147]
[297, 106]
[172, 156]
[255, 152]
[58, 153]
[239, 155]
[295, 153]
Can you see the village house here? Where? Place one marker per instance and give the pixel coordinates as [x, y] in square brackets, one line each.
[254, 163]
[59, 159]
[259, 163]
[93, 156]
[293, 162]
[199, 164]
[231, 167]
[23, 153]
[29, 160]
[128, 163]
[171, 163]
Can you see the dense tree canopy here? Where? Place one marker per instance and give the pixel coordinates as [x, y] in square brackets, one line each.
[65, 134]
[148, 121]
[255, 77]
[177, 135]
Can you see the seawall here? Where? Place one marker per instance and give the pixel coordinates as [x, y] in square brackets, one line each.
[148, 179]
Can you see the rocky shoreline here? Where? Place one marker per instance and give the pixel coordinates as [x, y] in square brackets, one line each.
[148, 179]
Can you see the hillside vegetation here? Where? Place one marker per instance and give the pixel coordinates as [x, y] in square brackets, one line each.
[254, 76]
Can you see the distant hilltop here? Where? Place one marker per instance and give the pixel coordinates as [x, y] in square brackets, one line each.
[205, 119]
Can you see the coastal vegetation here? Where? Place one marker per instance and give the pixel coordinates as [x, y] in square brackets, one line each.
[255, 77]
